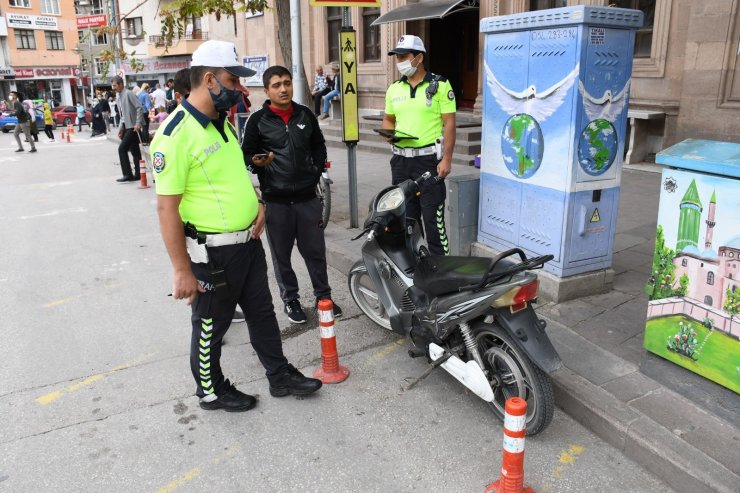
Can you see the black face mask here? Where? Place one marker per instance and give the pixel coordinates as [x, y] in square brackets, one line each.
[226, 98]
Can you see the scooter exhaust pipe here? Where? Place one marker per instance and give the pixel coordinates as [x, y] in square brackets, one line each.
[469, 374]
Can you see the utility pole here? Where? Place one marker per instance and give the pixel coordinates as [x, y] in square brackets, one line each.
[350, 132]
[299, 83]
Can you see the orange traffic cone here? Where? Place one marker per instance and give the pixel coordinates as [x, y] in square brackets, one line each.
[331, 371]
[70, 129]
[62, 134]
[142, 173]
[512, 469]
[68, 141]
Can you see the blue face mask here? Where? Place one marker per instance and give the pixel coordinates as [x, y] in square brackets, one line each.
[226, 98]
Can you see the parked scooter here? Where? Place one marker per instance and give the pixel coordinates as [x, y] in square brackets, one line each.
[472, 316]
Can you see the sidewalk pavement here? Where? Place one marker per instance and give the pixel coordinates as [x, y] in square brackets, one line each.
[678, 425]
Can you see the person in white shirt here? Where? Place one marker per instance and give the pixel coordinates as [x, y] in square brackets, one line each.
[160, 97]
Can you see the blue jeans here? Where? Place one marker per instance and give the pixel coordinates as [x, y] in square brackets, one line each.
[327, 99]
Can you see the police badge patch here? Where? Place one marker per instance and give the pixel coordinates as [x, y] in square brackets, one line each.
[450, 95]
[158, 162]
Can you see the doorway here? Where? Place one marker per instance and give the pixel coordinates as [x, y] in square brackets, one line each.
[453, 53]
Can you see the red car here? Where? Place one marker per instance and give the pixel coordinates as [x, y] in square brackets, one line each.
[66, 115]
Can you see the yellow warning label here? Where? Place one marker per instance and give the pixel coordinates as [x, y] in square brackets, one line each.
[595, 216]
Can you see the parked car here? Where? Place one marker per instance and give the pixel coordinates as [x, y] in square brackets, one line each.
[8, 122]
[66, 115]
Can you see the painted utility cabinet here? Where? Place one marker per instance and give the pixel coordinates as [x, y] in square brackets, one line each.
[693, 315]
[554, 121]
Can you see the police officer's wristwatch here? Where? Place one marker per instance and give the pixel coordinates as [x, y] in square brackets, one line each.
[262, 202]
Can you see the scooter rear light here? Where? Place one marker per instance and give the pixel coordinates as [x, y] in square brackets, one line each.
[328, 164]
[526, 293]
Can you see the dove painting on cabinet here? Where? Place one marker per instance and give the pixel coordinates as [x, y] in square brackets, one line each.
[554, 121]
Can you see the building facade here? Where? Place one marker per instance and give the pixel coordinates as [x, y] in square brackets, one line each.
[38, 37]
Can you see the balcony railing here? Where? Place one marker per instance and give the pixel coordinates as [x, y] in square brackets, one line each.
[159, 41]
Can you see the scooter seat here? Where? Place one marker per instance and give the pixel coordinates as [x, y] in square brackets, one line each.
[437, 275]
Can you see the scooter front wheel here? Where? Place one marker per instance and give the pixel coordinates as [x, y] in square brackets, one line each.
[512, 374]
[363, 291]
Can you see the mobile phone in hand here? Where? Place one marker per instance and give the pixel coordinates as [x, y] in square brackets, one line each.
[261, 156]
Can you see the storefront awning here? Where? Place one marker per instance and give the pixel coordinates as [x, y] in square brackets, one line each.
[430, 9]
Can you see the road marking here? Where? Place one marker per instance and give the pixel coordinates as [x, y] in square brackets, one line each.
[379, 355]
[45, 186]
[53, 396]
[56, 213]
[566, 459]
[195, 472]
[54, 303]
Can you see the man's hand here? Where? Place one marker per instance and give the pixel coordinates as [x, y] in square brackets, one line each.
[444, 167]
[258, 226]
[120, 134]
[137, 128]
[262, 161]
[186, 286]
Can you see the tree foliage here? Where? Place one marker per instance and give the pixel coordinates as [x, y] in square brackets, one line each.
[663, 283]
[732, 302]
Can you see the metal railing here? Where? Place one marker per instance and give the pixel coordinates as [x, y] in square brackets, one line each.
[159, 41]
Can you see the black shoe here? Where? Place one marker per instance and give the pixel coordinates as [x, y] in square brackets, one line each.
[135, 178]
[337, 310]
[295, 312]
[238, 317]
[231, 400]
[124, 179]
[33, 150]
[19, 150]
[293, 382]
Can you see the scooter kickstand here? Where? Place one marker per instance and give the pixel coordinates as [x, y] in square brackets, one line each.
[428, 371]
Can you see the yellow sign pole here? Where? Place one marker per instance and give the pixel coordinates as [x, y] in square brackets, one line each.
[348, 67]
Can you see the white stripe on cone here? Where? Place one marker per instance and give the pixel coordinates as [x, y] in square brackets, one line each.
[514, 423]
[513, 445]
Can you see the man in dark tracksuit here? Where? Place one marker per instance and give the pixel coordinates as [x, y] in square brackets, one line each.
[286, 149]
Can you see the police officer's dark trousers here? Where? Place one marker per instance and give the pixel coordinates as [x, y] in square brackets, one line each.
[430, 205]
[299, 222]
[245, 269]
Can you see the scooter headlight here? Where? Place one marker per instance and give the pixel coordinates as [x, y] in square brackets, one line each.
[390, 200]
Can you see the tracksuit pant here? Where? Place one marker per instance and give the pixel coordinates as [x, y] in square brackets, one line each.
[245, 268]
[289, 223]
[24, 127]
[430, 205]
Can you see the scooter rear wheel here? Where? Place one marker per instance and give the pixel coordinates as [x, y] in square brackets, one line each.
[363, 291]
[512, 374]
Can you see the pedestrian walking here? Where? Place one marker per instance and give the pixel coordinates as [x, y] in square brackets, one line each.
[132, 120]
[422, 105]
[105, 108]
[48, 123]
[288, 174]
[80, 116]
[24, 121]
[211, 221]
[145, 101]
[98, 121]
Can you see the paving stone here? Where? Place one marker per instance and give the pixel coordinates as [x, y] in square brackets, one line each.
[646, 247]
[629, 260]
[632, 349]
[631, 386]
[631, 281]
[623, 241]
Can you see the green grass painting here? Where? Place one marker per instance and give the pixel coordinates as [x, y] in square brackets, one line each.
[717, 355]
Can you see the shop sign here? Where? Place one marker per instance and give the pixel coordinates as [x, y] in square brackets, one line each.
[91, 21]
[22, 21]
[24, 73]
[157, 66]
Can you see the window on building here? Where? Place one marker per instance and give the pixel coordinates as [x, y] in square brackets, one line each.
[732, 254]
[54, 40]
[370, 34]
[333, 24]
[97, 7]
[547, 4]
[708, 300]
[710, 278]
[21, 3]
[80, 35]
[100, 66]
[644, 35]
[684, 263]
[194, 28]
[50, 7]
[134, 27]
[85, 64]
[24, 39]
[99, 39]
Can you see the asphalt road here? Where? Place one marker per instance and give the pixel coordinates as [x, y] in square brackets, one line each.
[96, 393]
